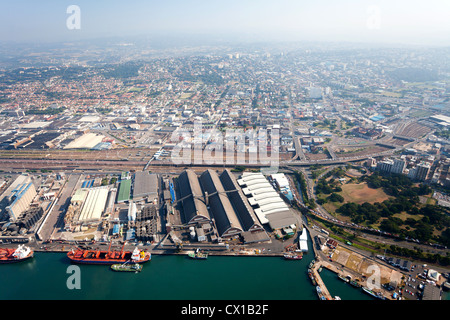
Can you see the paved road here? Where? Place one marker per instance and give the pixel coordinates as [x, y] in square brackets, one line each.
[55, 219]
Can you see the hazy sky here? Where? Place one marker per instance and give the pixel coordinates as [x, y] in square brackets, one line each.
[390, 21]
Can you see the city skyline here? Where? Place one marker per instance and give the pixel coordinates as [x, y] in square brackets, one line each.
[399, 22]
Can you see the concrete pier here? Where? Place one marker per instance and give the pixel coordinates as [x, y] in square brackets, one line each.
[319, 281]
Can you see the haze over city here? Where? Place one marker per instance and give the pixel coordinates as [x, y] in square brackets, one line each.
[399, 22]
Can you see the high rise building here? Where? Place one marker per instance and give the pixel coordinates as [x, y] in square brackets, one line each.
[398, 166]
[422, 171]
[385, 165]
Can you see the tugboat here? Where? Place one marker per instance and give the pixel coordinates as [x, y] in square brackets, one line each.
[21, 253]
[127, 267]
[108, 257]
[197, 254]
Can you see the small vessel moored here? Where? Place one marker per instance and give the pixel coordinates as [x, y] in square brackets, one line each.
[320, 294]
[136, 267]
[377, 295]
[197, 254]
[293, 256]
[311, 276]
[355, 283]
[340, 276]
[21, 253]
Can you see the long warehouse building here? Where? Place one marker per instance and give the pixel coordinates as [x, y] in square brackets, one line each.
[219, 198]
[225, 217]
[191, 196]
[253, 230]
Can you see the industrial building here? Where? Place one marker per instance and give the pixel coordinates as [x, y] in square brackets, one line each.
[19, 196]
[225, 217]
[86, 141]
[88, 205]
[303, 241]
[269, 209]
[145, 185]
[132, 209]
[94, 205]
[441, 120]
[124, 191]
[218, 200]
[253, 230]
[192, 198]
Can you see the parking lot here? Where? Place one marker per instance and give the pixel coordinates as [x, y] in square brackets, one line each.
[416, 279]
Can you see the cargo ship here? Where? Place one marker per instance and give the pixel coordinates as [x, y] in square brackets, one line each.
[21, 253]
[108, 257]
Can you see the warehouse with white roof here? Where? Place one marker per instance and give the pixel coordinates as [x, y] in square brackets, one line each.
[94, 205]
[269, 207]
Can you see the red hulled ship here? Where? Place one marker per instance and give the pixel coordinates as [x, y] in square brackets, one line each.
[108, 256]
[21, 253]
[293, 256]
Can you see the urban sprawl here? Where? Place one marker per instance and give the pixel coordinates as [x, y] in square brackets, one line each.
[236, 151]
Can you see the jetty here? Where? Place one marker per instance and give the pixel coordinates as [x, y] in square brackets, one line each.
[317, 265]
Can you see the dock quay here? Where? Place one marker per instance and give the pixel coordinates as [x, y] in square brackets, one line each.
[319, 282]
[352, 265]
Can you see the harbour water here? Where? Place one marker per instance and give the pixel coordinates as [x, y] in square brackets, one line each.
[166, 277]
[170, 277]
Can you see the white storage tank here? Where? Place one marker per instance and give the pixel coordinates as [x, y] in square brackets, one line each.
[192, 232]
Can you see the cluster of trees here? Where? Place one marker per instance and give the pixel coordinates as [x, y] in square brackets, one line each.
[122, 71]
[443, 134]
[47, 111]
[411, 74]
[304, 189]
[329, 186]
[207, 78]
[405, 199]
[418, 254]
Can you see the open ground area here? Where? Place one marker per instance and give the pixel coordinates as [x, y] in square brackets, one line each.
[360, 193]
[365, 266]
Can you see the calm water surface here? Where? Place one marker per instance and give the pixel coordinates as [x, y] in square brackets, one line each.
[170, 277]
